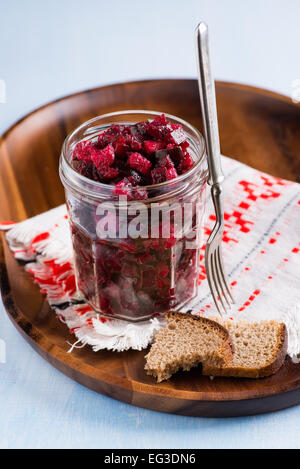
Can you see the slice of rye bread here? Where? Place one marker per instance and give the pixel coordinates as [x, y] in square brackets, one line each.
[185, 342]
[259, 349]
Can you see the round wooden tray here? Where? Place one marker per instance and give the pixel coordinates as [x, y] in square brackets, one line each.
[257, 127]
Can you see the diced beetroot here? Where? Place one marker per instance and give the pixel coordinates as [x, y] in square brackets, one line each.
[115, 129]
[171, 173]
[113, 264]
[144, 258]
[133, 143]
[178, 136]
[104, 139]
[82, 151]
[148, 277]
[169, 164]
[160, 133]
[140, 129]
[135, 178]
[108, 173]
[186, 163]
[163, 271]
[85, 168]
[168, 158]
[121, 165]
[160, 120]
[176, 155]
[169, 242]
[121, 254]
[184, 146]
[140, 194]
[103, 158]
[152, 243]
[139, 162]
[123, 187]
[96, 175]
[159, 128]
[163, 293]
[105, 305]
[109, 159]
[159, 155]
[130, 270]
[166, 162]
[151, 146]
[113, 132]
[158, 175]
[102, 276]
[120, 146]
[128, 245]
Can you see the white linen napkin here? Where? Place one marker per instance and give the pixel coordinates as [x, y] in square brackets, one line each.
[261, 248]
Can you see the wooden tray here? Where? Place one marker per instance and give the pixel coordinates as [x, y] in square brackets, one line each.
[256, 126]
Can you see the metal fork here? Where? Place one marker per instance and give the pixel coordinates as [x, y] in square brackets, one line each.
[216, 276]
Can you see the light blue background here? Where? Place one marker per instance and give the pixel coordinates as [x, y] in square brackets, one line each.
[54, 47]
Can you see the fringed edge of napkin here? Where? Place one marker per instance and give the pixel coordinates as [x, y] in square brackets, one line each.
[55, 277]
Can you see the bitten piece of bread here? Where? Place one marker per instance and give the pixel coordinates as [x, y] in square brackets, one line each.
[259, 349]
[185, 342]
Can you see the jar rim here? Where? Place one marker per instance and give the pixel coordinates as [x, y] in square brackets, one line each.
[134, 189]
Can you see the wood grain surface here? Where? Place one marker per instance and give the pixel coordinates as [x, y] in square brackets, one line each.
[257, 127]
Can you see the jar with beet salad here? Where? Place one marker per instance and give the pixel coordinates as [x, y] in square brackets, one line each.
[135, 191]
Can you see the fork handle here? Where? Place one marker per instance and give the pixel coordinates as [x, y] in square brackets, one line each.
[208, 105]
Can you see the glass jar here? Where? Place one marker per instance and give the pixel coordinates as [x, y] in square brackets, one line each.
[137, 254]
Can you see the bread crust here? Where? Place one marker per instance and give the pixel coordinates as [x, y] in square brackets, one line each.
[262, 372]
[222, 356]
[227, 350]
